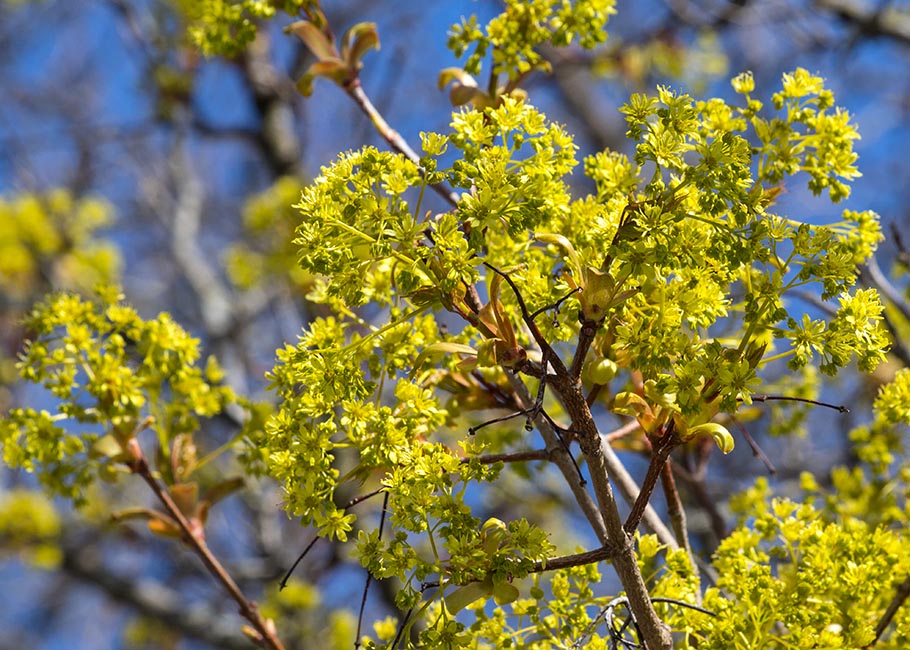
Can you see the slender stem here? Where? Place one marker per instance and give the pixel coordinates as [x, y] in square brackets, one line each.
[786, 398]
[661, 452]
[194, 538]
[539, 338]
[369, 579]
[696, 482]
[350, 504]
[512, 457]
[355, 90]
[290, 572]
[900, 596]
[577, 559]
[585, 339]
[677, 514]
[757, 451]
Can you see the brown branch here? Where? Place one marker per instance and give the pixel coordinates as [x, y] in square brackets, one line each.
[549, 353]
[511, 457]
[696, 482]
[369, 578]
[655, 633]
[627, 486]
[663, 445]
[677, 514]
[757, 451]
[840, 408]
[350, 504]
[585, 339]
[578, 559]
[355, 91]
[900, 596]
[194, 538]
[560, 456]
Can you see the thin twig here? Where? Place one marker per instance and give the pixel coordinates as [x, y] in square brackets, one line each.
[663, 445]
[369, 580]
[617, 634]
[576, 559]
[900, 596]
[303, 554]
[756, 450]
[696, 482]
[786, 398]
[677, 514]
[510, 457]
[195, 540]
[355, 90]
[350, 504]
[555, 306]
[539, 338]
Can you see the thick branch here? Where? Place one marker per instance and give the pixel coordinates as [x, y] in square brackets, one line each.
[560, 456]
[655, 633]
[630, 490]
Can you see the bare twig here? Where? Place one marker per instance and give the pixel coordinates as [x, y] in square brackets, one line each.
[369, 578]
[616, 632]
[576, 559]
[900, 597]
[786, 398]
[663, 443]
[511, 457]
[194, 538]
[677, 514]
[539, 338]
[696, 482]
[355, 90]
[350, 504]
[756, 450]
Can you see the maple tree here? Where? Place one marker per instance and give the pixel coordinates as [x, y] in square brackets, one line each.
[517, 331]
